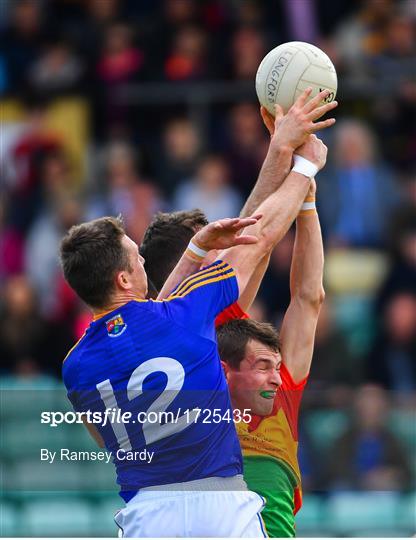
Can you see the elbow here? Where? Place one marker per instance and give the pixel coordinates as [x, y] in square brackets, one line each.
[267, 241]
[314, 297]
[321, 298]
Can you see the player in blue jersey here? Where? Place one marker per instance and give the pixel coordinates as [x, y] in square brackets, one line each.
[146, 358]
[143, 357]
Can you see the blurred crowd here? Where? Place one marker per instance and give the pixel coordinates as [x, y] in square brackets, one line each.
[108, 151]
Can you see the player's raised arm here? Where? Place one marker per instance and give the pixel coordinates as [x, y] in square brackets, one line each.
[217, 235]
[289, 132]
[307, 293]
[278, 211]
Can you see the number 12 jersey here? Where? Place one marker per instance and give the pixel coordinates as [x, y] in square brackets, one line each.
[158, 362]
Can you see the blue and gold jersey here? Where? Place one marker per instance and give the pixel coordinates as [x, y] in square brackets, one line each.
[151, 357]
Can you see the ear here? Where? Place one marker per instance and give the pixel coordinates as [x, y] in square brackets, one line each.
[225, 368]
[122, 281]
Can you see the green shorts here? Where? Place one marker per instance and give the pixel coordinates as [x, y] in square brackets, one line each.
[275, 481]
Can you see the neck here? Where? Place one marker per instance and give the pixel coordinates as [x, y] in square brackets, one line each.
[116, 302]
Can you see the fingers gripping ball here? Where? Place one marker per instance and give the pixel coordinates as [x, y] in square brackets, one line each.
[287, 70]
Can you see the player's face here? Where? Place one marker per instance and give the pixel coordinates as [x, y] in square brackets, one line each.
[255, 384]
[137, 277]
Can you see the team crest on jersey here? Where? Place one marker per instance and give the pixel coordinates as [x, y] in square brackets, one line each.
[116, 326]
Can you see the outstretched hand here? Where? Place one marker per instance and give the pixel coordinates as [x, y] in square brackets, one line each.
[293, 128]
[225, 233]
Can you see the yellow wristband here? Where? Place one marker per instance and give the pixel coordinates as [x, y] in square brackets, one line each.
[308, 207]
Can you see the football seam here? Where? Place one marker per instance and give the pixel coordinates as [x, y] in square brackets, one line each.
[300, 78]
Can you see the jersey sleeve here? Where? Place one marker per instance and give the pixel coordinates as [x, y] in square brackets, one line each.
[287, 381]
[196, 302]
[230, 313]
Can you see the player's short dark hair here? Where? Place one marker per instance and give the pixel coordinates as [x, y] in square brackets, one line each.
[164, 242]
[234, 335]
[91, 254]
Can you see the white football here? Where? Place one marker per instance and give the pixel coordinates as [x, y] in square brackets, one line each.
[287, 70]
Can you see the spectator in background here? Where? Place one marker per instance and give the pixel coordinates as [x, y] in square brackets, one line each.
[245, 150]
[358, 194]
[177, 13]
[187, 58]
[120, 63]
[310, 460]
[85, 23]
[4, 78]
[21, 42]
[125, 192]
[160, 30]
[395, 114]
[209, 190]
[369, 456]
[333, 363]
[103, 11]
[301, 16]
[57, 178]
[250, 13]
[362, 36]
[29, 341]
[11, 245]
[335, 371]
[23, 329]
[392, 362]
[274, 290]
[42, 249]
[396, 60]
[401, 275]
[24, 185]
[179, 154]
[247, 51]
[57, 72]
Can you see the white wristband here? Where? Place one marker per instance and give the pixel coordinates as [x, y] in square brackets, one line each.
[308, 206]
[199, 252]
[304, 166]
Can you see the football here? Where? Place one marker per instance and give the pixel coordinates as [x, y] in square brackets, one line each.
[287, 70]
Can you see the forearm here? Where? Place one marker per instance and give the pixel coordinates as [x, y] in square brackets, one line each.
[278, 212]
[249, 294]
[185, 267]
[206, 243]
[306, 272]
[280, 209]
[275, 169]
[300, 320]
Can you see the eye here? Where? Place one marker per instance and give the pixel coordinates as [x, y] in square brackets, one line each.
[262, 366]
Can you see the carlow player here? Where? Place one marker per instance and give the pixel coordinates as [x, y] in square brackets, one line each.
[143, 356]
[267, 374]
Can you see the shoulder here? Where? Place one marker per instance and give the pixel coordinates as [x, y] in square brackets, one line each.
[217, 271]
[75, 350]
[71, 362]
[287, 380]
[230, 313]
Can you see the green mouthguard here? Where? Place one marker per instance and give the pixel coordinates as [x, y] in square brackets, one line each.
[267, 394]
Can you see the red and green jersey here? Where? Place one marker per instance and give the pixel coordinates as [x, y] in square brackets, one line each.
[271, 468]
[269, 445]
